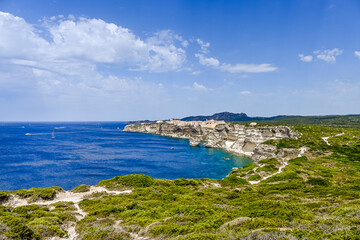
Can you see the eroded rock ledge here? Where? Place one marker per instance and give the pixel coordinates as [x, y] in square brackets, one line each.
[231, 137]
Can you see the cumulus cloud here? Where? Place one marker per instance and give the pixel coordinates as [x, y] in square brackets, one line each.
[211, 62]
[68, 61]
[91, 40]
[305, 58]
[328, 55]
[357, 54]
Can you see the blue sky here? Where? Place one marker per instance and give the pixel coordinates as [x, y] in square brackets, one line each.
[128, 60]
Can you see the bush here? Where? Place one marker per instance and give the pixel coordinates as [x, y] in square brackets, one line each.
[254, 177]
[186, 182]
[269, 161]
[299, 160]
[3, 196]
[267, 168]
[233, 179]
[81, 188]
[132, 180]
[21, 232]
[247, 167]
[274, 209]
[319, 182]
[38, 193]
[283, 176]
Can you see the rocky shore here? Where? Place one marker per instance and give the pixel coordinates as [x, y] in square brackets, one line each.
[232, 137]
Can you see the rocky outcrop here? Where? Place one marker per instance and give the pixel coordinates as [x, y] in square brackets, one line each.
[231, 137]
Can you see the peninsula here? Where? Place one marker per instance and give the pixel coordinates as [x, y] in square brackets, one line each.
[248, 140]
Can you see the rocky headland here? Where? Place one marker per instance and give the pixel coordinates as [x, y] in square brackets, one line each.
[236, 138]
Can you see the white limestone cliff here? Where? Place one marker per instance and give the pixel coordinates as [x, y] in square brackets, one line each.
[231, 137]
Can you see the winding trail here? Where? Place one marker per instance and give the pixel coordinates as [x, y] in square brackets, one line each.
[326, 138]
[65, 196]
[281, 168]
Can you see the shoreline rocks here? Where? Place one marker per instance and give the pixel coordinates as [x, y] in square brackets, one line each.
[232, 137]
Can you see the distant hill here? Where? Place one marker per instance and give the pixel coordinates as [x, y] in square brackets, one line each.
[228, 116]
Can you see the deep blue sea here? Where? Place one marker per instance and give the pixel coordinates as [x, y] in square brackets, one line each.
[85, 153]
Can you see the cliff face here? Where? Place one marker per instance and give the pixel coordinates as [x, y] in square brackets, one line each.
[228, 136]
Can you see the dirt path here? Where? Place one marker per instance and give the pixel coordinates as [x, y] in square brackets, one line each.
[284, 163]
[326, 138]
[66, 196]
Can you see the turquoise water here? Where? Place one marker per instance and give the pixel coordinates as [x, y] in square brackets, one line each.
[85, 153]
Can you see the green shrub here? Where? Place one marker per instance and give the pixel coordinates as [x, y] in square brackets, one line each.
[38, 193]
[132, 180]
[266, 189]
[169, 229]
[187, 182]
[283, 176]
[233, 179]
[254, 177]
[81, 188]
[273, 161]
[247, 167]
[274, 209]
[299, 160]
[3, 196]
[267, 168]
[29, 209]
[319, 182]
[21, 232]
[233, 194]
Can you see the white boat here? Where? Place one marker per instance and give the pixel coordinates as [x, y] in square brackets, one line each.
[53, 135]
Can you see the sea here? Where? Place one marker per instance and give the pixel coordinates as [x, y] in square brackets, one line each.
[67, 154]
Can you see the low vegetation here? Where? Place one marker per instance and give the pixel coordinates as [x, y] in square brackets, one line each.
[317, 196]
[81, 188]
[34, 194]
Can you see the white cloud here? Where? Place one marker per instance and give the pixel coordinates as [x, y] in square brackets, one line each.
[198, 87]
[19, 39]
[245, 92]
[305, 58]
[203, 45]
[88, 40]
[195, 72]
[68, 62]
[237, 68]
[328, 55]
[248, 68]
[184, 43]
[357, 54]
[210, 62]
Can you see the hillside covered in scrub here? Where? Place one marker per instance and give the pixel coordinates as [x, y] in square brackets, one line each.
[316, 196]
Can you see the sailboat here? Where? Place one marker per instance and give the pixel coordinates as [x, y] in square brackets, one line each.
[53, 135]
